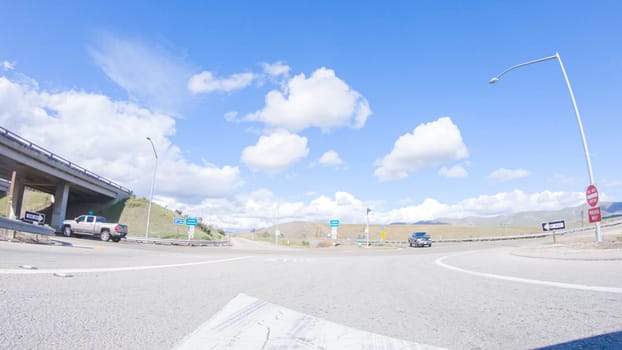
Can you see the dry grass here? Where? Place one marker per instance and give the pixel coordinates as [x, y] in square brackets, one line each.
[298, 231]
[311, 234]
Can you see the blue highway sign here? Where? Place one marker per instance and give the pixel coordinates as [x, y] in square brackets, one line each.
[191, 221]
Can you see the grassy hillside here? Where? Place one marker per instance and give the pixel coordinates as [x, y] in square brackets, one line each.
[132, 212]
[33, 201]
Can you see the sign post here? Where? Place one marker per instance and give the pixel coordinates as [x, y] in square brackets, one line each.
[191, 223]
[177, 222]
[334, 226]
[554, 226]
[591, 196]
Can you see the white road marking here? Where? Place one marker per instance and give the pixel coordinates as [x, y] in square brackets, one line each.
[290, 260]
[27, 267]
[114, 269]
[249, 323]
[616, 290]
[58, 274]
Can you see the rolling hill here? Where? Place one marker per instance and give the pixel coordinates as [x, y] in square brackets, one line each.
[520, 223]
[132, 212]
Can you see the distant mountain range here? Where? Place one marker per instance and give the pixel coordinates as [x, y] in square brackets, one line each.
[573, 214]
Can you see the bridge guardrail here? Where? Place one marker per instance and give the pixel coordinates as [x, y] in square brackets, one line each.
[32, 146]
[16, 225]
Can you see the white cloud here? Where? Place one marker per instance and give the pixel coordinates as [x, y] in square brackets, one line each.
[516, 201]
[231, 117]
[246, 211]
[453, 172]
[504, 203]
[112, 140]
[7, 66]
[343, 206]
[503, 174]
[611, 183]
[331, 158]
[258, 209]
[276, 152]
[148, 73]
[206, 82]
[323, 100]
[276, 69]
[429, 209]
[429, 144]
[563, 179]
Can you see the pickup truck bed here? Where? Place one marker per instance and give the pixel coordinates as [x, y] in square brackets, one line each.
[94, 226]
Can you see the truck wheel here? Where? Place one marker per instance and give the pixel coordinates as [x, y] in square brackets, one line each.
[116, 239]
[105, 235]
[67, 231]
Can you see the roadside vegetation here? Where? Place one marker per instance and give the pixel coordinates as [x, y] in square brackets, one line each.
[33, 201]
[318, 234]
[132, 212]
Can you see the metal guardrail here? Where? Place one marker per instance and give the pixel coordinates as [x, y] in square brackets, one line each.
[188, 242]
[493, 238]
[16, 225]
[465, 239]
[55, 157]
[4, 185]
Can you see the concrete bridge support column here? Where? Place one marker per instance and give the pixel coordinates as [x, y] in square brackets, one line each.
[60, 205]
[16, 197]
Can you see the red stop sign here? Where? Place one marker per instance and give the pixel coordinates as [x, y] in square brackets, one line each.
[591, 195]
[594, 214]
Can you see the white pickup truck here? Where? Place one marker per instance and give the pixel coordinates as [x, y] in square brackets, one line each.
[94, 226]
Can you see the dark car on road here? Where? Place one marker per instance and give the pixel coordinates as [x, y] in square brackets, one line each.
[419, 239]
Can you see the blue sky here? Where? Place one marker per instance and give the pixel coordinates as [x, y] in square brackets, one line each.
[318, 110]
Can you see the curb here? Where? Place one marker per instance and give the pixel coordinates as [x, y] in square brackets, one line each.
[570, 253]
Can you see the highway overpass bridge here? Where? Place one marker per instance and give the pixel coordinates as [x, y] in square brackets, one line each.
[25, 164]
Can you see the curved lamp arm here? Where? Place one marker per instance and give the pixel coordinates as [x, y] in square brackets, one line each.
[496, 79]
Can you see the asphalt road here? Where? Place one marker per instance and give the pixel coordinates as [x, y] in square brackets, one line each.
[103, 295]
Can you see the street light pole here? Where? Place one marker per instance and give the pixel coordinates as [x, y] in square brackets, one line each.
[576, 110]
[367, 227]
[152, 186]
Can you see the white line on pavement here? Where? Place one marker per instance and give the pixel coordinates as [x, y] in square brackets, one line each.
[616, 290]
[114, 269]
